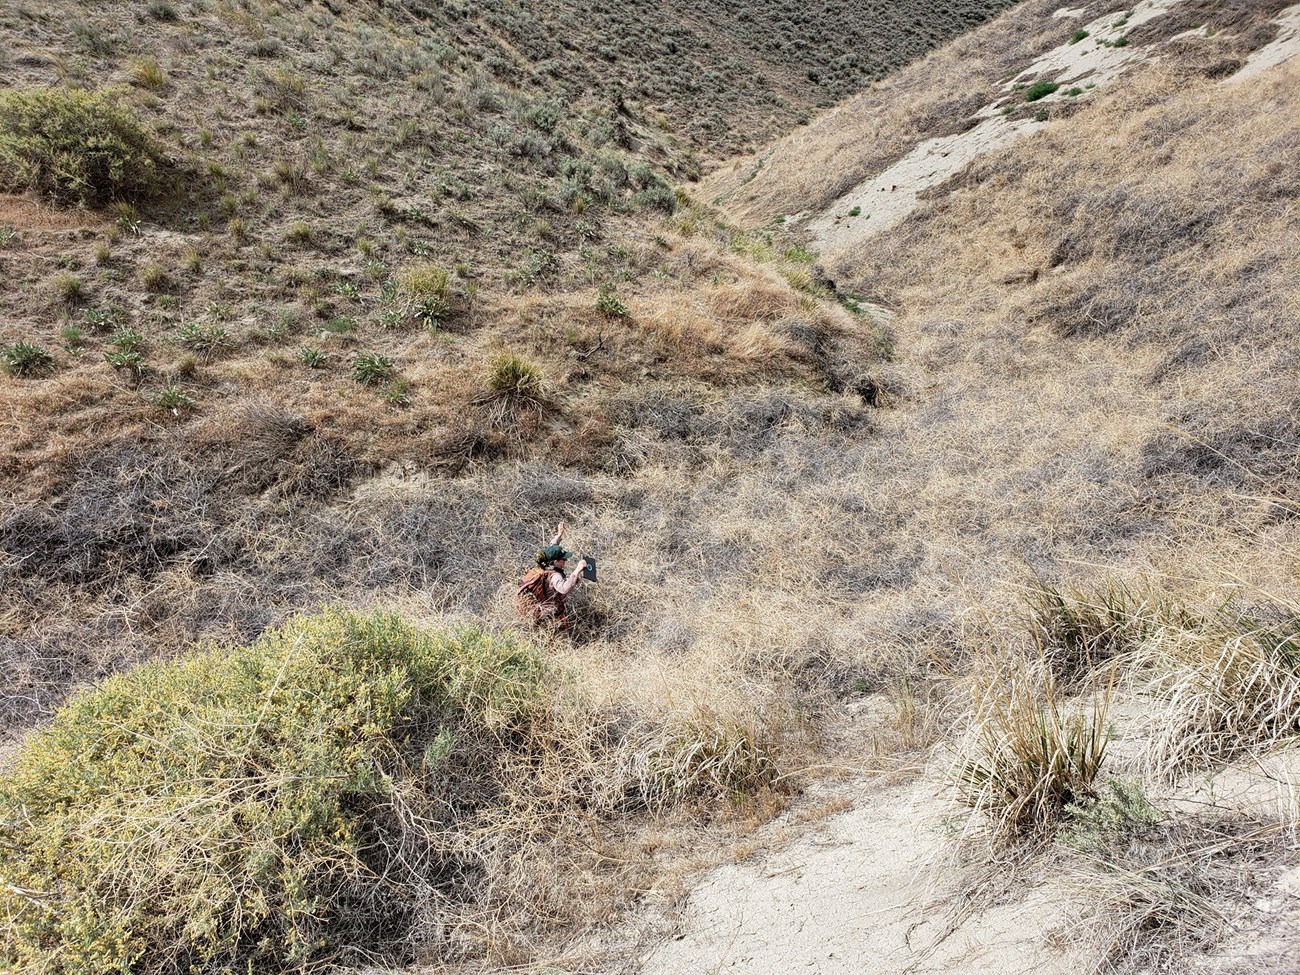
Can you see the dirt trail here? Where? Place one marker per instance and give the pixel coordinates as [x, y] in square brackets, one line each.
[860, 894]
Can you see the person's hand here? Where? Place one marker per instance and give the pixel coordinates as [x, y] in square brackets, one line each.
[582, 565]
[559, 532]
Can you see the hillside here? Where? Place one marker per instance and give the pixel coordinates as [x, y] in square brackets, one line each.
[435, 186]
[880, 509]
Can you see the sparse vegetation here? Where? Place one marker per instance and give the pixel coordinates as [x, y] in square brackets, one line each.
[812, 474]
[1040, 89]
[1034, 756]
[205, 338]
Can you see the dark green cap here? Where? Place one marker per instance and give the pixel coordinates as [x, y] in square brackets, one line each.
[552, 553]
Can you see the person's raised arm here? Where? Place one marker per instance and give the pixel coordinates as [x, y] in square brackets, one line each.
[559, 535]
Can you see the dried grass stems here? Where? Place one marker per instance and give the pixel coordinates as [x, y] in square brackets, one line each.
[1163, 897]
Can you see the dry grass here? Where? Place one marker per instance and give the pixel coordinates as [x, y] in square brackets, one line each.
[1031, 754]
[805, 172]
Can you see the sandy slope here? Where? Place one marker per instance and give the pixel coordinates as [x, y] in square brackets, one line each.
[885, 200]
[861, 894]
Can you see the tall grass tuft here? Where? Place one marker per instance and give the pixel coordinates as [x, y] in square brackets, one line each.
[1077, 629]
[1228, 684]
[705, 756]
[1030, 756]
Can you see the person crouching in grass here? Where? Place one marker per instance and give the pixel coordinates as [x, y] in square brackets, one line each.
[544, 589]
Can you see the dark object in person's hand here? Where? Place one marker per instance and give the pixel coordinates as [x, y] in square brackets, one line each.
[589, 572]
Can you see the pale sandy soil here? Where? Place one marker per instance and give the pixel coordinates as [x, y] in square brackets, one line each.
[864, 893]
[886, 199]
[1282, 48]
[876, 889]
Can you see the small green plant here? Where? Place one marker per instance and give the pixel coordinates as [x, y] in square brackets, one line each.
[513, 388]
[397, 393]
[126, 340]
[338, 325]
[205, 338]
[313, 357]
[299, 233]
[192, 260]
[609, 305]
[173, 399]
[1074, 92]
[98, 319]
[126, 360]
[74, 339]
[1040, 89]
[1078, 35]
[1042, 115]
[371, 369]
[74, 146]
[855, 212]
[25, 358]
[67, 288]
[1121, 810]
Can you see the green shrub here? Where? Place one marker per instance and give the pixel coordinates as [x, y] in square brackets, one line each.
[1078, 35]
[259, 808]
[25, 358]
[1040, 89]
[371, 368]
[312, 357]
[74, 146]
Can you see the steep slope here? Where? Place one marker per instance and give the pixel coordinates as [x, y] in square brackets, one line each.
[1092, 380]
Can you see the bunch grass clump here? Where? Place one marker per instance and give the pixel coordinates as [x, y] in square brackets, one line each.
[514, 389]
[1031, 755]
[24, 358]
[1227, 684]
[1076, 629]
[705, 757]
[75, 146]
